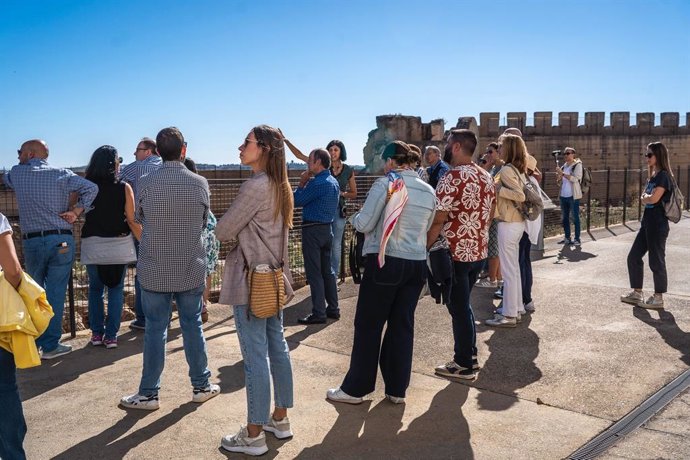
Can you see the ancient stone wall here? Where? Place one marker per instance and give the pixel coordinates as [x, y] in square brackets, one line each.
[616, 145]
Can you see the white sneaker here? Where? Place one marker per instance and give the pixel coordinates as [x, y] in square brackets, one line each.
[500, 283]
[338, 395]
[280, 428]
[137, 401]
[395, 399]
[633, 297]
[241, 442]
[200, 395]
[501, 321]
[529, 307]
[652, 303]
[486, 283]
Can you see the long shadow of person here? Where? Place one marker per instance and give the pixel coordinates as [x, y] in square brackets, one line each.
[668, 330]
[510, 365]
[110, 440]
[573, 254]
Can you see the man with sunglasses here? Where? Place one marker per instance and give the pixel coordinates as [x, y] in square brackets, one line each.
[146, 161]
[570, 177]
[45, 218]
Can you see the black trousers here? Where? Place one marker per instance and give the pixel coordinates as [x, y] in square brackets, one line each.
[387, 295]
[651, 238]
[316, 249]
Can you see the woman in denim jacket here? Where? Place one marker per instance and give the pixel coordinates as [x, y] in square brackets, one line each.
[395, 218]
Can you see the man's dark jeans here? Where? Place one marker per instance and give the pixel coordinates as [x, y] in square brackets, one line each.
[12, 424]
[388, 295]
[316, 248]
[464, 333]
[526, 268]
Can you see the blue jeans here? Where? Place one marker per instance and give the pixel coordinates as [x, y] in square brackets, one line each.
[138, 309]
[263, 344]
[316, 248]
[525, 260]
[337, 249]
[97, 322]
[158, 308]
[464, 333]
[12, 424]
[48, 261]
[569, 205]
[387, 297]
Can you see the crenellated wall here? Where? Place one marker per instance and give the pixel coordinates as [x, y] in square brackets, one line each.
[617, 145]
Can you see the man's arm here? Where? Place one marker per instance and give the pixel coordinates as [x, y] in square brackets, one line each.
[435, 230]
[306, 192]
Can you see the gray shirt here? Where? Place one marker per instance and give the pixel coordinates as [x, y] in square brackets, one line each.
[172, 207]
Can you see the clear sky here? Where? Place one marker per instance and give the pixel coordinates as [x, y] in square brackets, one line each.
[82, 73]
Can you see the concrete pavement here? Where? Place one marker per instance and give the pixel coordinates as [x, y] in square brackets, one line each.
[579, 363]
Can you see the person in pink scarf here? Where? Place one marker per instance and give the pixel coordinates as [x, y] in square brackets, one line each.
[395, 218]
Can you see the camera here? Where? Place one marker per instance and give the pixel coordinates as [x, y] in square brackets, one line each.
[482, 160]
[556, 153]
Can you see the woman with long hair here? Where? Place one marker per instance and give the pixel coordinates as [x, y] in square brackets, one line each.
[511, 225]
[395, 219]
[345, 175]
[112, 216]
[258, 221]
[653, 231]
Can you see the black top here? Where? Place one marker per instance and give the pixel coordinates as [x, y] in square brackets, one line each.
[107, 218]
[660, 179]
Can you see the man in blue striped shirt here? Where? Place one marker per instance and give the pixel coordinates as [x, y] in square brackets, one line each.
[147, 161]
[43, 196]
[318, 193]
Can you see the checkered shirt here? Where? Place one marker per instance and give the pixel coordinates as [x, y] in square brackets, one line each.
[43, 193]
[173, 208]
[135, 171]
[319, 198]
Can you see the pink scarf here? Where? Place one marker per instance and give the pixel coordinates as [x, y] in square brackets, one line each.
[395, 202]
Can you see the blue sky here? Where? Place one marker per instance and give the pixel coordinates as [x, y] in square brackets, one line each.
[80, 74]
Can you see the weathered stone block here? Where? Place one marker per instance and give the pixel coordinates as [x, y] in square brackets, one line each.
[517, 120]
[620, 122]
[543, 122]
[567, 121]
[488, 124]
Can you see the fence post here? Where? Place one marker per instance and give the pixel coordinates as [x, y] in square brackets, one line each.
[589, 208]
[608, 191]
[72, 313]
[639, 194]
[625, 194]
[687, 193]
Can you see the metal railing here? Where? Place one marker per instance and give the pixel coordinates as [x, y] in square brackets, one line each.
[613, 198]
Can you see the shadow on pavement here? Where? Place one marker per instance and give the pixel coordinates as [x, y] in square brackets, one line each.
[573, 254]
[111, 440]
[667, 328]
[443, 429]
[510, 365]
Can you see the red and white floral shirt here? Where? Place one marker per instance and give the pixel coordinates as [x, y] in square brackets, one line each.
[467, 193]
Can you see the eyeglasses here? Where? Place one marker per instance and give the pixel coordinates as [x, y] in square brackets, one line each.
[649, 154]
[19, 151]
[142, 148]
[247, 141]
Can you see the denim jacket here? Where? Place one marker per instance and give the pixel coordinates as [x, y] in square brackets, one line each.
[408, 240]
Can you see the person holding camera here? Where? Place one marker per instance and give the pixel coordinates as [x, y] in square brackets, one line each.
[570, 177]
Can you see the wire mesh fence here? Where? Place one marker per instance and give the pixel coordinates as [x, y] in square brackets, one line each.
[613, 199]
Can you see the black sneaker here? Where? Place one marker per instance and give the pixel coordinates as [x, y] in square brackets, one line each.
[138, 325]
[311, 319]
[454, 371]
[333, 314]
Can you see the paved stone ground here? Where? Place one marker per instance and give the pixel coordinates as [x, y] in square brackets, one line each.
[570, 370]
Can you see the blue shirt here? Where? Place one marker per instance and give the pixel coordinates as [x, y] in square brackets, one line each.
[436, 172]
[319, 198]
[135, 171]
[43, 193]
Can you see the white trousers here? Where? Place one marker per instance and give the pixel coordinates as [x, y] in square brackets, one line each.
[509, 235]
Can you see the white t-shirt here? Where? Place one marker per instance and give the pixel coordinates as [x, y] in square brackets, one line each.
[4, 225]
[566, 185]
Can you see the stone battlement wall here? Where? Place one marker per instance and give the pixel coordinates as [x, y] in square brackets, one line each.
[616, 145]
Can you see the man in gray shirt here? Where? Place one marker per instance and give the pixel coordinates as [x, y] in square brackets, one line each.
[172, 206]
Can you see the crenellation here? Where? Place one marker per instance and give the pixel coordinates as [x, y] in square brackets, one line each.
[543, 123]
[620, 122]
[489, 123]
[567, 122]
[594, 123]
[517, 120]
[670, 119]
[644, 124]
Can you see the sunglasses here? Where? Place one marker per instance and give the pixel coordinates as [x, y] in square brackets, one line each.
[247, 141]
[649, 154]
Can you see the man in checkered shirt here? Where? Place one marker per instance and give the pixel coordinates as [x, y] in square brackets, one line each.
[147, 160]
[172, 207]
[43, 196]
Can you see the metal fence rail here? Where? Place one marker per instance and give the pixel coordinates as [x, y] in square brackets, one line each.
[613, 198]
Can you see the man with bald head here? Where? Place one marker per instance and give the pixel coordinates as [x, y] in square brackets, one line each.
[45, 219]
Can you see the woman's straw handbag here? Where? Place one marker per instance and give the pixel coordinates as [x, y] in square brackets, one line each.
[267, 285]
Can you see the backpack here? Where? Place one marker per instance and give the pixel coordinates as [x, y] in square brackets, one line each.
[357, 260]
[673, 208]
[586, 180]
[533, 205]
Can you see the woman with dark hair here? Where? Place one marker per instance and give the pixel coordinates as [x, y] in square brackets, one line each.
[112, 216]
[653, 231]
[258, 222]
[345, 175]
[395, 219]
[212, 246]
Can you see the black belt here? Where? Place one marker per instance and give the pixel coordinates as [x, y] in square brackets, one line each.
[311, 223]
[30, 235]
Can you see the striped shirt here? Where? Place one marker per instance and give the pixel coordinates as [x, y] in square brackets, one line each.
[173, 208]
[43, 193]
[135, 171]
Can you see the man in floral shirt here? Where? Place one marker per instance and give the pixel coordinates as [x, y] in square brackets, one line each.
[465, 205]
